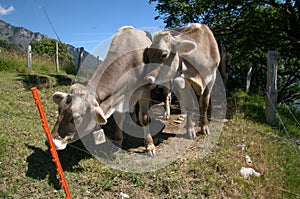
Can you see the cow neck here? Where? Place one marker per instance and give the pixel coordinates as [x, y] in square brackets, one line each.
[105, 78]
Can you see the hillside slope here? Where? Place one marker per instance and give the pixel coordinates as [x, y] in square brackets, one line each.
[26, 169]
[18, 35]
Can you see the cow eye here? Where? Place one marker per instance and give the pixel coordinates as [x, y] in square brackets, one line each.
[164, 55]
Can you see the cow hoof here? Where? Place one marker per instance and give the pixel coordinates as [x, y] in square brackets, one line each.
[150, 150]
[152, 153]
[191, 134]
[205, 130]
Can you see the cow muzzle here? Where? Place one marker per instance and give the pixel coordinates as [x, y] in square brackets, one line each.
[149, 79]
[59, 144]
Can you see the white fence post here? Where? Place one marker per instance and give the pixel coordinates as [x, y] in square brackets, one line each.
[29, 59]
[271, 91]
[56, 58]
[249, 74]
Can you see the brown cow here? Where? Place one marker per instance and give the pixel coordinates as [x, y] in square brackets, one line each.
[111, 90]
[192, 52]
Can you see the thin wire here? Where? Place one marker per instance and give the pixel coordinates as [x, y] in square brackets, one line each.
[286, 131]
[292, 113]
[50, 22]
[280, 119]
[80, 149]
[87, 152]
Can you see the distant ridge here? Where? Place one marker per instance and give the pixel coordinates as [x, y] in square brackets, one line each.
[22, 37]
[18, 35]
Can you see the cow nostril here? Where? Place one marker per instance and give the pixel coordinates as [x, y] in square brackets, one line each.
[150, 79]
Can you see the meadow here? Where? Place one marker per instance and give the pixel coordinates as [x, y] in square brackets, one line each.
[27, 171]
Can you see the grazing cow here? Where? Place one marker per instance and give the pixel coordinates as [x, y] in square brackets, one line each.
[109, 91]
[191, 51]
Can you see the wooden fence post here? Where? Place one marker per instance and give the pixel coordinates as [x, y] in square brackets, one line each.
[228, 64]
[56, 58]
[29, 60]
[80, 56]
[271, 90]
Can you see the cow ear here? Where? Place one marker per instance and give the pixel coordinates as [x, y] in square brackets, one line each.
[185, 47]
[98, 112]
[145, 56]
[58, 97]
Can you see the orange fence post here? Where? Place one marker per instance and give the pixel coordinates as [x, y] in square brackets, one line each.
[51, 144]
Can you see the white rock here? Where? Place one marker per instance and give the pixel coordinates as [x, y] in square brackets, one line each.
[241, 147]
[248, 159]
[123, 195]
[248, 171]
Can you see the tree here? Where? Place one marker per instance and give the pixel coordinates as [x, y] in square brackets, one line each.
[48, 47]
[8, 46]
[248, 29]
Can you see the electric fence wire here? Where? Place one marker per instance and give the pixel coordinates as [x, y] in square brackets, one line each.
[284, 127]
[294, 117]
[48, 18]
[279, 117]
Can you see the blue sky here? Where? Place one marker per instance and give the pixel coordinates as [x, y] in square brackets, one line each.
[79, 23]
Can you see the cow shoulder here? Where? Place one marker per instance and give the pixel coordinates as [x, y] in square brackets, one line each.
[124, 28]
[202, 35]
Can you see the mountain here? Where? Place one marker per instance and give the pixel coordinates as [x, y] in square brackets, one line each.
[18, 35]
[22, 37]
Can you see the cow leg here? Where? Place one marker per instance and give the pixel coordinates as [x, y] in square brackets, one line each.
[186, 103]
[168, 94]
[149, 144]
[118, 135]
[204, 103]
[144, 104]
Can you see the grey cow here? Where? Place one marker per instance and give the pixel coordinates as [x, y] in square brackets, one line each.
[192, 52]
[111, 90]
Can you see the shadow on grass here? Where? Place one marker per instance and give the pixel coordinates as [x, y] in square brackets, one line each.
[44, 81]
[131, 142]
[40, 164]
[63, 79]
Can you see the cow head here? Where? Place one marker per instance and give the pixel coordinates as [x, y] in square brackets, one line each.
[78, 113]
[163, 56]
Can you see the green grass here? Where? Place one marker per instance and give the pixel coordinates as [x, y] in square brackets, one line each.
[26, 169]
[288, 122]
[11, 61]
[252, 107]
